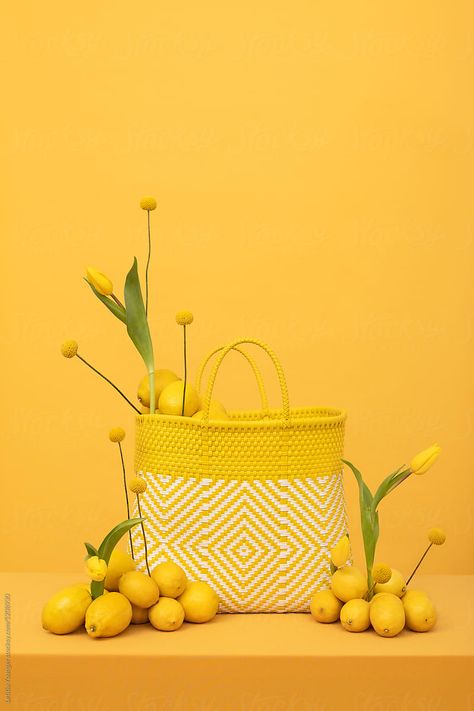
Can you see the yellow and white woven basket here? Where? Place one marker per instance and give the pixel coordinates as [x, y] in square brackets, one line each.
[252, 504]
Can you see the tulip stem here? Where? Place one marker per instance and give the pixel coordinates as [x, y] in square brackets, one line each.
[108, 381]
[185, 371]
[144, 537]
[126, 497]
[147, 263]
[117, 301]
[419, 563]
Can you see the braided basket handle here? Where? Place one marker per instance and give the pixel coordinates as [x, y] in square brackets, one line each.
[253, 365]
[275, 361]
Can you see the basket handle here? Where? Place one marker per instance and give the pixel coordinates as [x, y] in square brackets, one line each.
[276, 363]
[253, 365]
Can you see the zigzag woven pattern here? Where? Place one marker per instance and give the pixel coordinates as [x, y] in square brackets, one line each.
[263, 545]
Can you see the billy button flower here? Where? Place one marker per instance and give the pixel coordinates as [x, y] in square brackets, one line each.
[96, 568]
[436, 537]
[138, 486]
[148, 204]
[117, 434]
[381, 573]
[70, 348]
[184, 318]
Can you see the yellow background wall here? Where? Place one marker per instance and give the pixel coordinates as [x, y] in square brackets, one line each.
[312, 164]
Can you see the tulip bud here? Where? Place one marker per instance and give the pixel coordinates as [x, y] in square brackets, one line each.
[99, 281]
[96, 568]
[425, 459]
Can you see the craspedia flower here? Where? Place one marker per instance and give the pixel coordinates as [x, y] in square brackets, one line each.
[137, 485]
[184, 318]
[96, 568]
[381, 573]
[117, 434]
[69, 348]
[148, 203]
[436, 536]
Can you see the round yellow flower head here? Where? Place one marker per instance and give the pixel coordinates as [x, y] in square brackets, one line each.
[425, 459]
[184, 318]
[117, 434]
[99, 281]
[148, 203]
[437, 536]
[137, 485]
[69, 348]
[381, 573]
[96, 568]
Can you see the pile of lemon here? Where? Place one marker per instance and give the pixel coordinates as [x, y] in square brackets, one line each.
[169, 390]
[165, 599]
[388, 607]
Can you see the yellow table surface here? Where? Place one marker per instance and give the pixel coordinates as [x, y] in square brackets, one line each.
[246, 662]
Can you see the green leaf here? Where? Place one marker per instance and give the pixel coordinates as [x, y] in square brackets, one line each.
[91, 550]
[117, 310]
[108, 545]
[368, 519]
[388, 484]
[136, 320]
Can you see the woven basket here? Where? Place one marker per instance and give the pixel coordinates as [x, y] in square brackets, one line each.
[252, 504]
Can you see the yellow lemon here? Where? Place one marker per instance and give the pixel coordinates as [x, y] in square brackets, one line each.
[170, 578]
[396, 584]
[216, 411]
[66, 610]
[163, 378]
[200, 602]
[139, 615]
[375, 597]
[171, 399]
[325, 607]
[167, 615]
[348, 583]
[387, 615]
[420, 613]
[355, 615]
[340, 552]
[108, 615]
[119, 563]
[139, 588]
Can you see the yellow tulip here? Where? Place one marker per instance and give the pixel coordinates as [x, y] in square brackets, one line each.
[99, 281]
[340, 552]
[425, 459]
[96, 568]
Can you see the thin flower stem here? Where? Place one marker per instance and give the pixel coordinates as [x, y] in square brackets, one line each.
[185, 371]
[126, 496]
[117, 301]
[147, 263]
[108, 381]
[419, 563]
[143, 531]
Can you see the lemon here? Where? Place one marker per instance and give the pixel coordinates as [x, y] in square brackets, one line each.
[325, 607]
[163, 378]
[420, 613]
[376, 597]
[387, 615]
[167, 615]
[139, 588]
[217, 411]
[139, 615]
[119, 563]
[171, 399]
[348, 583]
[340, 552]
[66, 610]
[355, 615]
[396, 584]
[108, 615]
[170, 578]
[200, 602]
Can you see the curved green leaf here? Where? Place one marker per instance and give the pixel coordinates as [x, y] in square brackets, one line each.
[117, 311]
[107, 546]
[91, 550]
[136, 320]
[388, 484]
